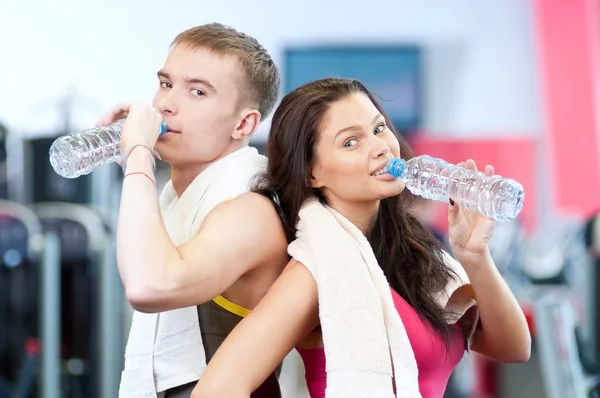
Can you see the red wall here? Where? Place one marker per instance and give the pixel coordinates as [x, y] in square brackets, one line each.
[568, 36]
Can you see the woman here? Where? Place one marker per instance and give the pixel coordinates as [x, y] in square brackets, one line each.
[329, 140]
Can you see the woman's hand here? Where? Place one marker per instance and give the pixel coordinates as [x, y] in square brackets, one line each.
[469, 231]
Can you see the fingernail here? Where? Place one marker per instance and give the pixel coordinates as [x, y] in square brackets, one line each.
[451, 202]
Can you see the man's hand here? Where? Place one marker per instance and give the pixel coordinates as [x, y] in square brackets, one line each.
[143, 124]
[118, 112]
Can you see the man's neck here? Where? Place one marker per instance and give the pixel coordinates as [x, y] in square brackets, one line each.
[182, 177]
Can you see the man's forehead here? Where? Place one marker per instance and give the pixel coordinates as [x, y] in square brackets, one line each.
[203, 56]
[202, 64]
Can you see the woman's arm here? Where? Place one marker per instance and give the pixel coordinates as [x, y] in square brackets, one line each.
[503, 333]
[260, 342]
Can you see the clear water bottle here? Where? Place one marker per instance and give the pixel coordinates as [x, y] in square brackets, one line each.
[494, 197]
[79, 153]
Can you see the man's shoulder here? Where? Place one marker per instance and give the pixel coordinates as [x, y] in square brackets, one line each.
[247, 203]
[251, 215]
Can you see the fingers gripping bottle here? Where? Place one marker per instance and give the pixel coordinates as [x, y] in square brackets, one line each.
[79, 153]
[493, 196]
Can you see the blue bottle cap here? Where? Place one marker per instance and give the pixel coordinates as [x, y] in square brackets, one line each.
[396, 167]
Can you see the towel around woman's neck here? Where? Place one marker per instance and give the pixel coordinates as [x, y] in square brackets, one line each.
[367, 349]
[165, 350]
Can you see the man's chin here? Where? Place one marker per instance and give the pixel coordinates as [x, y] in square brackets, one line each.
[164, 152]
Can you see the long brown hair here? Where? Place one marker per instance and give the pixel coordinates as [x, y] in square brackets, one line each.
[409, 255]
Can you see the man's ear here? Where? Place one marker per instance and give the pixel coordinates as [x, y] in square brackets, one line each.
[247, 124]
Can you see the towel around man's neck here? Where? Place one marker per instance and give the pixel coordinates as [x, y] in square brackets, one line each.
[165, 350]
[367, 349]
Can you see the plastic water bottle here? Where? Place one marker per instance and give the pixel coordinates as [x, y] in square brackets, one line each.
[494, 197]
[79, 153]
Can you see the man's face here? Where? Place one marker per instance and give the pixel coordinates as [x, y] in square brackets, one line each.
[198, 95]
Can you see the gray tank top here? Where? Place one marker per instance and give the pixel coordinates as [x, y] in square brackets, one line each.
[217, 319]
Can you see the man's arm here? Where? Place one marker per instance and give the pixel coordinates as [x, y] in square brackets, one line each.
[236, 237]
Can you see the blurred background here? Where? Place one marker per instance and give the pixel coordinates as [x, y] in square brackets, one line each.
[511, 83]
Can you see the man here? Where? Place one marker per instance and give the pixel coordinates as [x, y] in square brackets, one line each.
[196, 246]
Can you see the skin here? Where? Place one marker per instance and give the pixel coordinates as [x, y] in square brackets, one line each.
[353, 143]
[198, 96]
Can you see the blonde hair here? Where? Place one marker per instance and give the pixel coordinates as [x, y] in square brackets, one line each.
[260, 75]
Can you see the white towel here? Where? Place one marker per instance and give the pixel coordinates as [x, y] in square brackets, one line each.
[365, 342]
[165, 350]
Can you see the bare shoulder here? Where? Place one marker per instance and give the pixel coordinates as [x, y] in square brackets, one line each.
[299, 274]
[255, 201]
[244, 208]
[249, 216]
[295, 287]
[295, 264]
[248, 205]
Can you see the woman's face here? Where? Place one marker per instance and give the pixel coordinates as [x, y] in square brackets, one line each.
[353, 144]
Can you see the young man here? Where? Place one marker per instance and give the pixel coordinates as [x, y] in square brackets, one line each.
[195, 261]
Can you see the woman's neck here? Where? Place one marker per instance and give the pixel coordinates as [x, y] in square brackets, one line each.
[361, 215]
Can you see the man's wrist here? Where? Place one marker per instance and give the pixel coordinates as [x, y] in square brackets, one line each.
[140, 154]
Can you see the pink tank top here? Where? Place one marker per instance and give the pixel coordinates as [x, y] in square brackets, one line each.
[435, 363]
